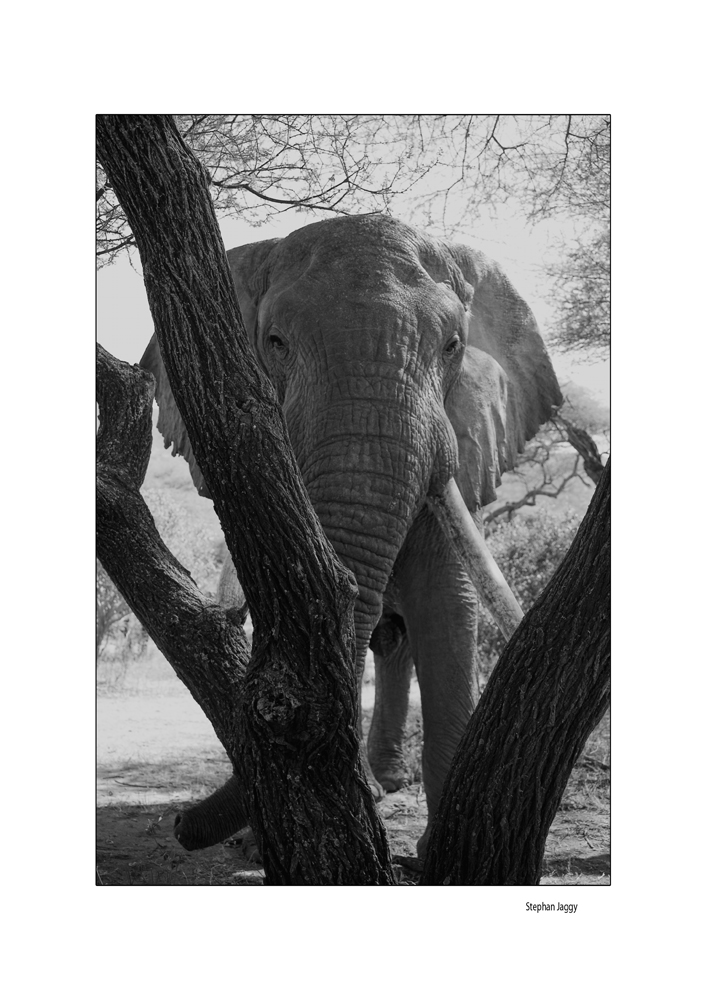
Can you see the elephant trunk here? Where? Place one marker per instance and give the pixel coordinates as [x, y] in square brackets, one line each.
[367, 483]
[370, 556]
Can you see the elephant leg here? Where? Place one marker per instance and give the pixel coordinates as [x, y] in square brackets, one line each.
[210, 822]
[394, 668]
[440, 607]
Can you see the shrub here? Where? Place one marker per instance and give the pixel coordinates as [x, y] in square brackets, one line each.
[528, 550]
[110, 608]
[195, 546]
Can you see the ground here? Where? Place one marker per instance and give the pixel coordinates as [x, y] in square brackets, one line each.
[156, 753]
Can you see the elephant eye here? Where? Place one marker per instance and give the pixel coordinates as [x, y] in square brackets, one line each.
[453, 345]
[277, 343]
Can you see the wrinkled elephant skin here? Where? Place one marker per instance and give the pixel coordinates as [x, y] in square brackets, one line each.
[401, 362]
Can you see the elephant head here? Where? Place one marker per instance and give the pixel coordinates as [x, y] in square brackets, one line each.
[401, 362]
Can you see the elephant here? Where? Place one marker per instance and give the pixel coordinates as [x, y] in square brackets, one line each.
[405, 366]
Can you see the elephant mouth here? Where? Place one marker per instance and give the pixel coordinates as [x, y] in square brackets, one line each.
[458, 526]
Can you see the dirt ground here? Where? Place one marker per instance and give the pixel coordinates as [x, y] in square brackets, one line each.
[156, 753]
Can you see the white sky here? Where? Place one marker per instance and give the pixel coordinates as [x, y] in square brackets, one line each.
[125, 323]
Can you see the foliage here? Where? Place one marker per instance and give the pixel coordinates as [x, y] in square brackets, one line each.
[260, 165]
[582, 409]
[191, 543]
[434, 170]
[581, 287]
[582, 278]
[552, 166]
[548, 164]
[110, 608]
[528, 550]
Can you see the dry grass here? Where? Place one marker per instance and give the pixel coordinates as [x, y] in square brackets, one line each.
[122, 674]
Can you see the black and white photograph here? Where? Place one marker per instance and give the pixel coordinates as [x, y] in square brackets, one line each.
[353, 502]
[314, 574]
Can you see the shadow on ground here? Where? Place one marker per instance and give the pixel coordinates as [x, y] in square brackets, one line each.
[157, 754]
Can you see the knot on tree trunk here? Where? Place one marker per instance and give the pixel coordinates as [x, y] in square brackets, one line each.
[278, 709]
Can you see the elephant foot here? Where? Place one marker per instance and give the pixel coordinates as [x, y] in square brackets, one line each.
[210, 822]
[193, 834]
[390, 780]
[391, 773]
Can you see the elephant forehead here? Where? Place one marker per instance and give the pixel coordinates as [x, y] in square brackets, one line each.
[314, 301]
[350, 236]
[374, 298]
[368, 253]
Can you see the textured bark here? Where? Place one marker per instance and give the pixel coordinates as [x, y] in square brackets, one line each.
[293, 739]
[548, 691]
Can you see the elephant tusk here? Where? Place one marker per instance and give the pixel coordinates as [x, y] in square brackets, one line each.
[458, 525]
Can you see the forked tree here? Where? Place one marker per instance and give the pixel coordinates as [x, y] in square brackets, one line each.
[548, 691]
[287, 716]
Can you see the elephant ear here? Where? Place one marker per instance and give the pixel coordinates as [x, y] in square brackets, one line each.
[169, 420]
[250, 270]
[246, 266]
[507, 387]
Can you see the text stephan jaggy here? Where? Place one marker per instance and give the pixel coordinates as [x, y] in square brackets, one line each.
[560, 907]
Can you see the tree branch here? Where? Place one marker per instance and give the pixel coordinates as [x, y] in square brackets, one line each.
[115, 247]
[584, 445]
[202, 641]
[530, 498]
[548, 691]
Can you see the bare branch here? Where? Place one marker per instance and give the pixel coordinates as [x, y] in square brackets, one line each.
[434, 170]
[585, 446]
[548, 489]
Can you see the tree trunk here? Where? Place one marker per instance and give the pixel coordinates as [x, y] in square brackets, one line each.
[545, 696]
[288, 722]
